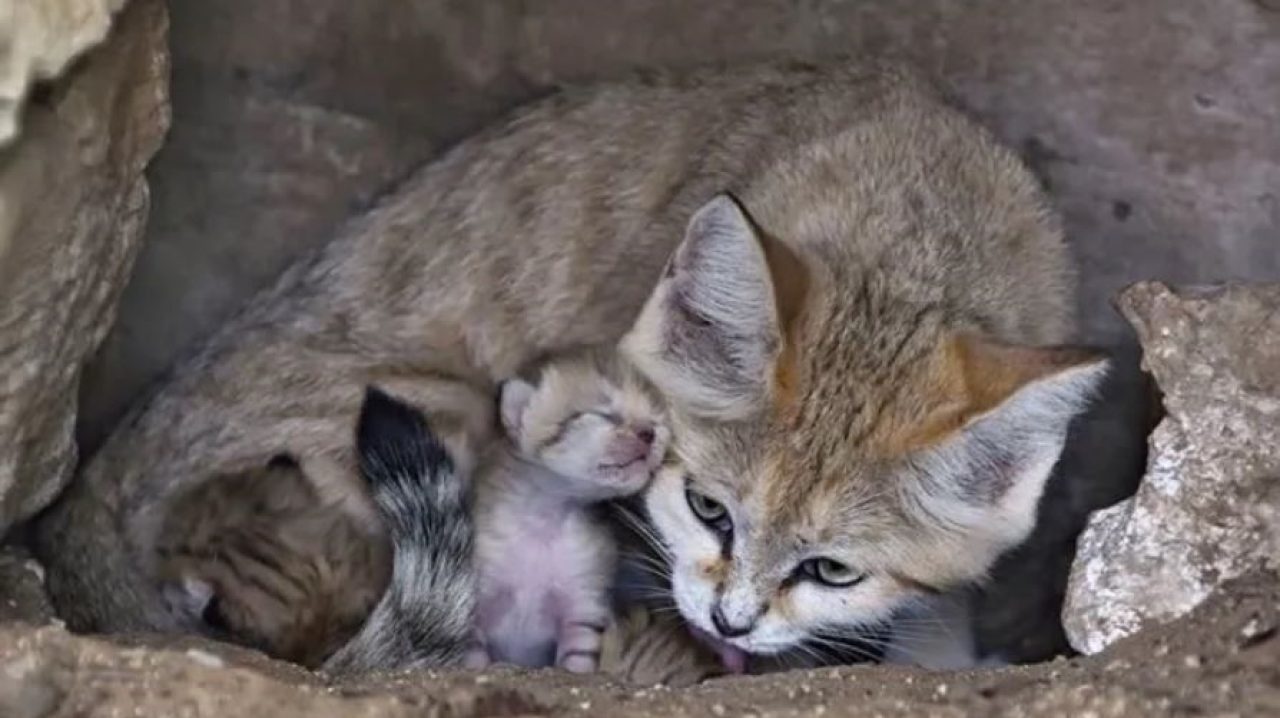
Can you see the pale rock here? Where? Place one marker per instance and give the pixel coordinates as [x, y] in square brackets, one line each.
[73, 203]
[1208, 509]
[38, 39]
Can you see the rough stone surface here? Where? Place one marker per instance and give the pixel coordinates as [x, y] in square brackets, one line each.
[73, 203]
[38, 40]
[1208, 509]
[1221, 661]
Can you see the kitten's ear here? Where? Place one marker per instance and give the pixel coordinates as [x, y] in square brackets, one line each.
[513, 398]
[1002, 429]
[709, 335]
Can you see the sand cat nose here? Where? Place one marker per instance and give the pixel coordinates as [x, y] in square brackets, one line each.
[725, 628]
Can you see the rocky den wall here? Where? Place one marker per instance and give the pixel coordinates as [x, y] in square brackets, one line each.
[73, 206]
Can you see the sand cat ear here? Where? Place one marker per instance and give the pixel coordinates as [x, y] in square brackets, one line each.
[513, 398]
[1056, 381]
[1003, 425]
[709, 334]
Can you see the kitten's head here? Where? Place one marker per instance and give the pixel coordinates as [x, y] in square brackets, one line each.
[259, 559]
[839, 447]
[590, 421]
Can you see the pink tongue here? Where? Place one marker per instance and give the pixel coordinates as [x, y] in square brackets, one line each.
[733, 658]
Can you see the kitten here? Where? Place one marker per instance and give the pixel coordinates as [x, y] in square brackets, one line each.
[851, 299]
[643, 647]
[262, 559]
[426, 615]
[266, 559]
[586, 432]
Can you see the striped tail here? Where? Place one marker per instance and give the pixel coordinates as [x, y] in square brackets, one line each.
[426, 616]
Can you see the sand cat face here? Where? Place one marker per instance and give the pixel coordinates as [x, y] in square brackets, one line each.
[841, 443]
[602, 432]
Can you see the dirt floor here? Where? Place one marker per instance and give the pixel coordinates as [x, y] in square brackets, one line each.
[1224, 660]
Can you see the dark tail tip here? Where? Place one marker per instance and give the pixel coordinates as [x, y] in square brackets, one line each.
[391, 433]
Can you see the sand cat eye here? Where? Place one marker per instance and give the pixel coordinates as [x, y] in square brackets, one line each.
[830, 573]
[708, 510]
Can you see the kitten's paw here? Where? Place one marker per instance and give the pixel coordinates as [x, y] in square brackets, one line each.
[580, 662]
[476, 659]
[579, 642]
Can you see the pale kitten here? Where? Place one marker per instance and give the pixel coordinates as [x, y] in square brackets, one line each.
[586, 431]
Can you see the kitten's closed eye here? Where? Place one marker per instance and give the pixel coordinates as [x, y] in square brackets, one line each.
[609, 417]
[590, 418]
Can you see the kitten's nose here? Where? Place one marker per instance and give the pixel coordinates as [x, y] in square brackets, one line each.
[645, 433]
[725, 628]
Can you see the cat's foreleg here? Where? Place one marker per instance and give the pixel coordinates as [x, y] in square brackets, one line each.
[579, 639]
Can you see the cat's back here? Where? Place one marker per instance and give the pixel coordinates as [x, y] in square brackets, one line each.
[553, 226]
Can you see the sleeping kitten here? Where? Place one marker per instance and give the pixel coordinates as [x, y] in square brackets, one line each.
[262, 559]
[585, 433]
[274, 559]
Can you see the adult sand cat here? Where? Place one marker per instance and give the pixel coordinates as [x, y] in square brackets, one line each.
[854, 349]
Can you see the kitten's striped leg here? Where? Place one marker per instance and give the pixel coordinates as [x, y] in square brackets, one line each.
[578, 644]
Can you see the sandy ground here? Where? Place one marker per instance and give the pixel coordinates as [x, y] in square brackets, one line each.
[1224, 660]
